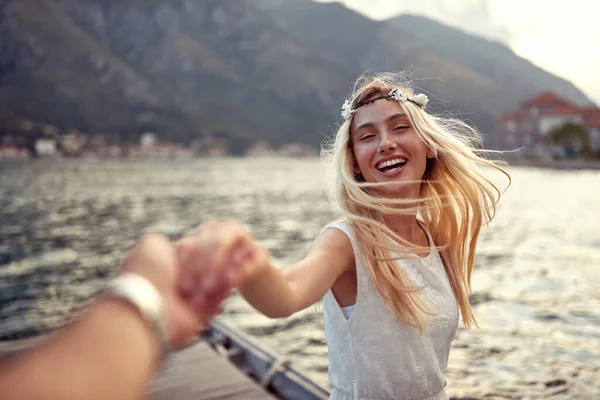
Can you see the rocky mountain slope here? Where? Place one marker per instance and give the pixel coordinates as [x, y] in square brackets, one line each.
[275, 70]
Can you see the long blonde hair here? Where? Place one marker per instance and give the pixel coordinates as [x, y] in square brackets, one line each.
[456, 199]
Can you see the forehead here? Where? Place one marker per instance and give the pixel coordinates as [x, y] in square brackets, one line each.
[376, 112]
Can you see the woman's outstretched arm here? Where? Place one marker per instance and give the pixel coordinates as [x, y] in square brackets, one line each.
[274, 292]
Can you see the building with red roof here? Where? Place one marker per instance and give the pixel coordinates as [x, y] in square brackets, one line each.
[530, 124]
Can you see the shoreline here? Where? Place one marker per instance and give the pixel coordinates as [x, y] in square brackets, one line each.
[560, 164]
[556, 164]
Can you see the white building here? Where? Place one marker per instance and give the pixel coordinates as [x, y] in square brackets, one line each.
[148, 141]
[46, 147]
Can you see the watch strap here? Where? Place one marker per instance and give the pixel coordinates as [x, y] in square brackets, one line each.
[142, 294]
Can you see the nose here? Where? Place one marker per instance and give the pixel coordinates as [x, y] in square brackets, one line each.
[386, 144]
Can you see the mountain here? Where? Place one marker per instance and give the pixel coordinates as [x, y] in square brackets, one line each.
[473, 77]
[182, 68]
[488, 58]
[275, 70]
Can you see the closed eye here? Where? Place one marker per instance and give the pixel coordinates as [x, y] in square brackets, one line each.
[401, 127]
[365, 137]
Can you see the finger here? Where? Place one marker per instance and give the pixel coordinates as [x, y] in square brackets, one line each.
[210, 250]
[199, 262]
[200, 248]
[188, 324]
[190, 267]
[206, 303]
[240, 264]
[187, 284]
[231, 236]
[206, 296]
[241, 252]
[254, 259]
[206, 262]
[193, 248]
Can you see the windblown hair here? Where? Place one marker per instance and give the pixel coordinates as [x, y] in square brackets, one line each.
[456, 199]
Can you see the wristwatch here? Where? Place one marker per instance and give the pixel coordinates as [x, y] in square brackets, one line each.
[142, 294]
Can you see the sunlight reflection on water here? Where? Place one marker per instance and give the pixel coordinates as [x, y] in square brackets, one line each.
[536, 280]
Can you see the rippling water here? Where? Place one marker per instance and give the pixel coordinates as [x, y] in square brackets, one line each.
[536, 281]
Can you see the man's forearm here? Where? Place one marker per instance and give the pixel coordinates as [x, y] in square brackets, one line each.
[109, 354]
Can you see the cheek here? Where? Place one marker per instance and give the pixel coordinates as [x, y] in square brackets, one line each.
[361, 158]
[422, 155]
[419, 149]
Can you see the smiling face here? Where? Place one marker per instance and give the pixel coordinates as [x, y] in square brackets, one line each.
[387, 148]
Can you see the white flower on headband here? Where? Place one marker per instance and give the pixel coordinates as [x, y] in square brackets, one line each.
[421, 99]
[347, 110]
[396, 94]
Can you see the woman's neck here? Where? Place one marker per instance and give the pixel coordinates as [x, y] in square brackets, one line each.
[405, 226]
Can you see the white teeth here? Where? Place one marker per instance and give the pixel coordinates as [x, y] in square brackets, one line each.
[391, 162]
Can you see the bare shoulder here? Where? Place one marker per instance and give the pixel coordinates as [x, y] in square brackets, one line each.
[332, 245]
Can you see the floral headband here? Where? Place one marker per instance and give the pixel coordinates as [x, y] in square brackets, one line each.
[419, 100]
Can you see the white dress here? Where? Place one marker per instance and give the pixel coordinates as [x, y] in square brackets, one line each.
[372, 355]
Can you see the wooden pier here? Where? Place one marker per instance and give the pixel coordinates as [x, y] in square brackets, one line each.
[199, 373]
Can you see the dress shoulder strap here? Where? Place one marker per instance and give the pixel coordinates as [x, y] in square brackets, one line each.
[346, 227]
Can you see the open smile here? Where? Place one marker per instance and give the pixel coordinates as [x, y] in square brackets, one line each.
[391, 166]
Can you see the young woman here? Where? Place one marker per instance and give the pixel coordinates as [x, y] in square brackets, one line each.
[394, 271]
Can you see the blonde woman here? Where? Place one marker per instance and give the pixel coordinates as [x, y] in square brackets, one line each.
[394, 271]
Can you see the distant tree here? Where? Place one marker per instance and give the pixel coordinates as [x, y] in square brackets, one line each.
[573, 138]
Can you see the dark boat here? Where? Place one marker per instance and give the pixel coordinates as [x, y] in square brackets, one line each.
[266, 368]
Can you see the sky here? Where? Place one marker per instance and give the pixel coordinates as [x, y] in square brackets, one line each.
[562, 37]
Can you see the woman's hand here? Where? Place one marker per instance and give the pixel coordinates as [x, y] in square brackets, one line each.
[219, 245]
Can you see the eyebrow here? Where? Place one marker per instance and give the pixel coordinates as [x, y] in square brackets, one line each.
[387, 120]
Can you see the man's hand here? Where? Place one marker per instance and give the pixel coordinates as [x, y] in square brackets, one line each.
[195, 275]
[155, 258]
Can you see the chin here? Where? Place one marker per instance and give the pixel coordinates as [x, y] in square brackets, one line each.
[399, 188]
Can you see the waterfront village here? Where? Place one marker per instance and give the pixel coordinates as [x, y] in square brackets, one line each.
[53, 143]
[546, 127]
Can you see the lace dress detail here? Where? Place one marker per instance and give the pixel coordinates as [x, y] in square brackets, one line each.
[372, 355]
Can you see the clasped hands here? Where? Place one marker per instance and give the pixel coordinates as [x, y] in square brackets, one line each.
[195, 274]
